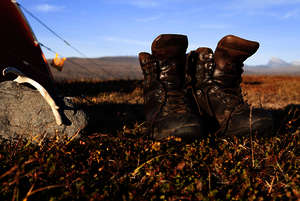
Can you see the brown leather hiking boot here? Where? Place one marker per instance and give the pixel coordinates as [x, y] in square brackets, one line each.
[217, 80]
[167, 107]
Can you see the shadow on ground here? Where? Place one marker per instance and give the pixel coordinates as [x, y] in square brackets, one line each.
[253, 83]
[287, 119]
[77, 88]
[111, 118]
[107, 117]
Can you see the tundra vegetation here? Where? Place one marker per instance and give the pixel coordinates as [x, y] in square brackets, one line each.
[115, 159]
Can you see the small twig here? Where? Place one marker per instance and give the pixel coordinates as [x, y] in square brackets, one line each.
[279, 166]
[29, 192]
[9, 171]
[134, 173]
[251, 138]
[271, 185]
[41, 141]
[42, 189]
[16, 194]
[74, 136]
[259, 98]
[209, 179]
[16, 146]
[16, 189]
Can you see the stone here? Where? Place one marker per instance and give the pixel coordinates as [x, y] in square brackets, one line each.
[25, 114]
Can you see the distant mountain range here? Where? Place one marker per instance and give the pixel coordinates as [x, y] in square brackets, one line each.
[104, 68]
[275, 66]
[127, 67]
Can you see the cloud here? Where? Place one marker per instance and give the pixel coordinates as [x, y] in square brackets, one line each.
[144, 3]
[48, 8]
[291, 14]
[127, 41]
[149, 3]
[213, 26]
[272, 8]
[265, 3]
[149, 19]
[260, 4]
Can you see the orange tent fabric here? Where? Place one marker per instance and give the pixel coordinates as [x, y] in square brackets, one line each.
[58, 63]
[19, 47]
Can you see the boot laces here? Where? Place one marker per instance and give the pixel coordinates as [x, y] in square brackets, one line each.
[175, 102]
[231, 95]
[174, 94]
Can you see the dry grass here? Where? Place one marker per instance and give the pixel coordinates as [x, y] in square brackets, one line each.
[271, 91]
[117, 161]
[135, 97]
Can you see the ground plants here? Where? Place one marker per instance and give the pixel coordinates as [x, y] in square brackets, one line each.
[116, 160]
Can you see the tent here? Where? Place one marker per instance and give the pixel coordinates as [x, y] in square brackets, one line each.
[19, 47]
[21, 57]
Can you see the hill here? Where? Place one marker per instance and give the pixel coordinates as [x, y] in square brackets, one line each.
[267, 70]
[128, 68]
[275, 66]
[104, 68]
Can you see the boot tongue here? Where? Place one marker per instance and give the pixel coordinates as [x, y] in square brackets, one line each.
[232, 51]
[168, 46]
[229, 56]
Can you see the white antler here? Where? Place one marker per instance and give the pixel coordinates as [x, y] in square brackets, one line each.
[23, 79]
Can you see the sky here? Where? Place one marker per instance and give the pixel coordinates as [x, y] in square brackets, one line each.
[126, 27]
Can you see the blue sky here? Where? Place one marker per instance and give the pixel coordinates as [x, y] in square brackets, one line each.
[126, 27]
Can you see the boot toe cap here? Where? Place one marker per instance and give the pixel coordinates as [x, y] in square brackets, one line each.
[261, 124]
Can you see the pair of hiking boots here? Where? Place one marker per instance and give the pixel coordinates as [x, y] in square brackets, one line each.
[191, 95]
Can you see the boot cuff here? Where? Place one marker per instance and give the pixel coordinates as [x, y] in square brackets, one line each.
[167, 46]
[234, 49]
[145, 58]
[240, 45]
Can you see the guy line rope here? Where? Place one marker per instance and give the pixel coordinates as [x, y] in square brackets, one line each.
[62, 39]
